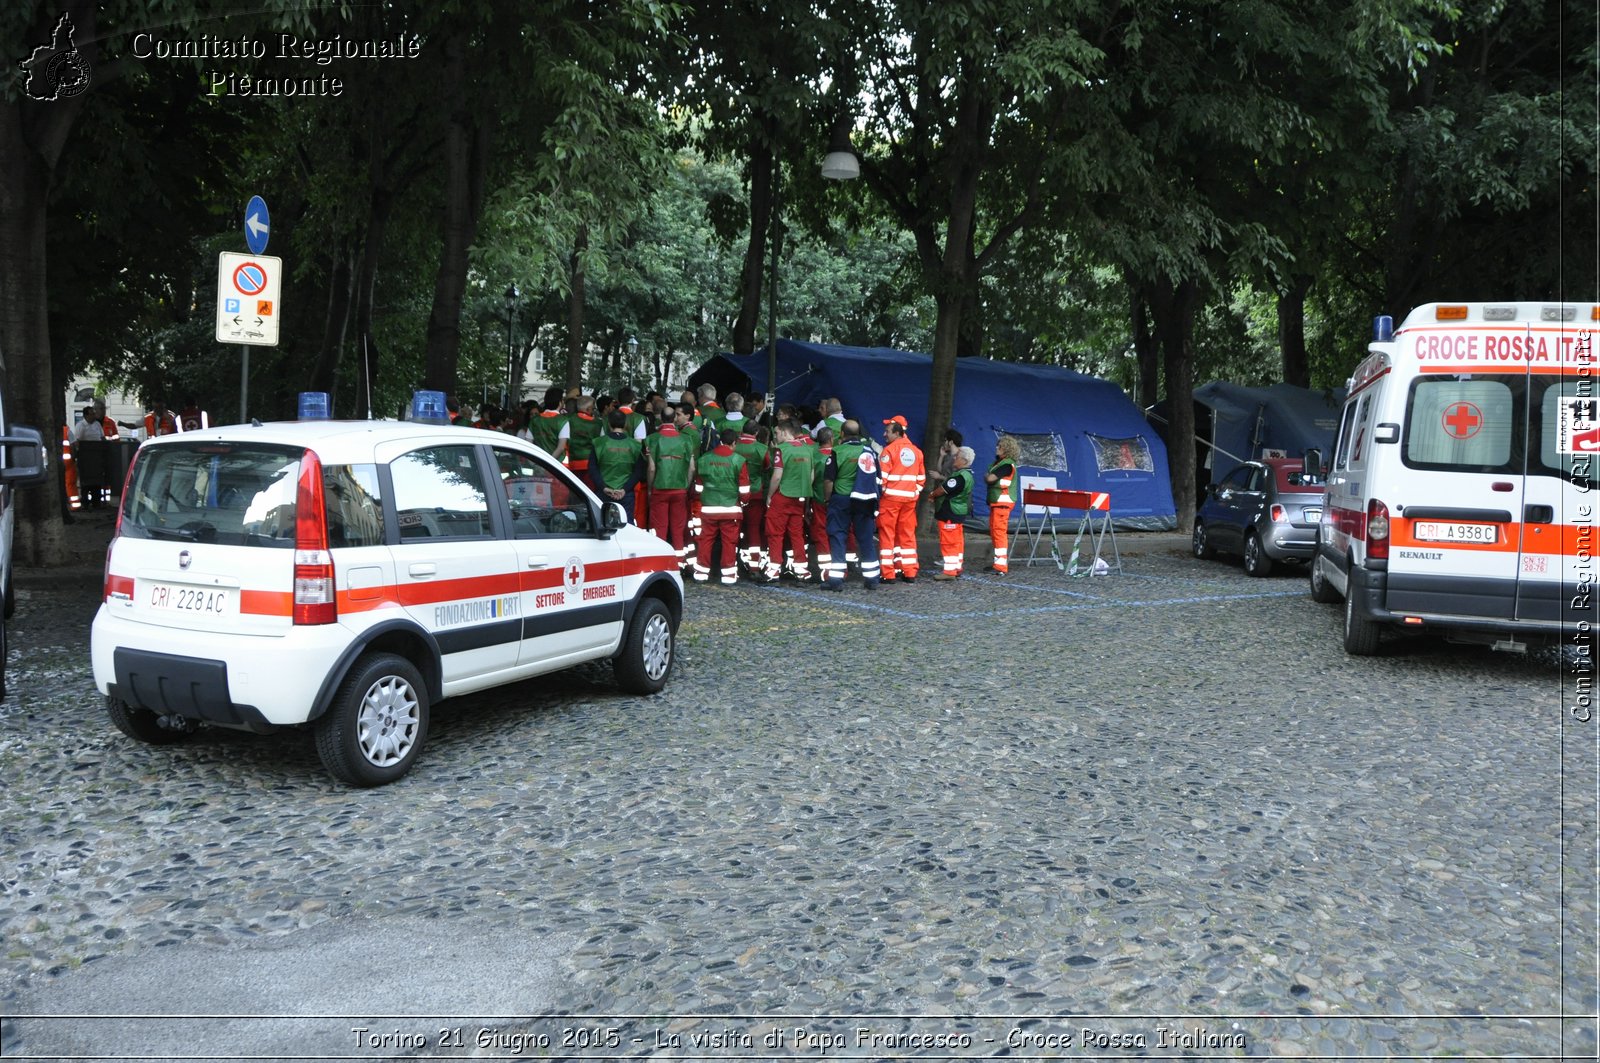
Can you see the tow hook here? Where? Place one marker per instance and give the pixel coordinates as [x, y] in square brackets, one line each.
[176, 723]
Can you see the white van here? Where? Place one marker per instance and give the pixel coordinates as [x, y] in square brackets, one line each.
[1461, 489]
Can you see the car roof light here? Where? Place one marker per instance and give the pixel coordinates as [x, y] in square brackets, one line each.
[1499, 313]
[314, 406]
[1382, 328]
[1450, 313]
[1558, 313]
[427, 407]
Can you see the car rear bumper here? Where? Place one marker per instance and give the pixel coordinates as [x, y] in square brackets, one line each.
[1468, 604]
[1290, 542]
[249, 681]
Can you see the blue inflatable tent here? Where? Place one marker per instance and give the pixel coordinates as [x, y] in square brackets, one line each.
[1078, 432]
[1234, 424]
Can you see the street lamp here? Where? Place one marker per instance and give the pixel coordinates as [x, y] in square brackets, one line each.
[512, 295]
[840, 164]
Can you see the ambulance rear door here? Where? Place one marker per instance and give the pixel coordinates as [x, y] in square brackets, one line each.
[1457, 497]
[1556, 567]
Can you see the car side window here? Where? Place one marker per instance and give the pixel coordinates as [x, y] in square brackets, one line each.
[439, 494]
[1238, 479]
[541, 500]
[354, 502]
[1341, 457]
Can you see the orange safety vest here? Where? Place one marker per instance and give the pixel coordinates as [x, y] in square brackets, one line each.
[903, 471]
[108, 427]
[168, 425]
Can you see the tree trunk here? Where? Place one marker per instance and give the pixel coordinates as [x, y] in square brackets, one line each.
[32, 137]
[575, 311]
[367, 276]
[1173, 306]
[1147, 356]
[1292, 332]
[762, 171]
[466, 149]
[324, 374]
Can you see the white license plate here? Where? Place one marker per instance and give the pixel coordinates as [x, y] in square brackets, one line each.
[193, 601]
[1451, 532]
[1313, 514]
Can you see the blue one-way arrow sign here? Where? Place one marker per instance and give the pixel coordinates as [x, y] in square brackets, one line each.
[256, 225]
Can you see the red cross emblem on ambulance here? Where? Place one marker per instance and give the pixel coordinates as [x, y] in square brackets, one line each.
[1462, 420]
[573, 575]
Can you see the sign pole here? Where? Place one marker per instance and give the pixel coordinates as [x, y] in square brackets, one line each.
[244, 383]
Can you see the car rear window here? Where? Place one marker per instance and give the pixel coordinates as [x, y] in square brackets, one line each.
[226, 493]
[1291, 481]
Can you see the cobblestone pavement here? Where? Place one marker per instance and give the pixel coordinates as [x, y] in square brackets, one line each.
[1053, 817]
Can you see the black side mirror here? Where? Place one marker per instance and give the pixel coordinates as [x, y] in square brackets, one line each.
[1312, 464]
[25, 460]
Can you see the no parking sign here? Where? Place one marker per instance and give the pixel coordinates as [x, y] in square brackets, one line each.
[247, 298]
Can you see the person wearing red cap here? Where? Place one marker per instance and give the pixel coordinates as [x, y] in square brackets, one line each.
[903, 476]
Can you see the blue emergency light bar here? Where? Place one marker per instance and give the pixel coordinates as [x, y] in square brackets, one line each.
[427, 407]
[314, 406]
[1382, 328]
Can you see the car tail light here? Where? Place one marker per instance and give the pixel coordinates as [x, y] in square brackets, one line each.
[314, 601]
[116, 530]
[1377, 530]
[1278, 513]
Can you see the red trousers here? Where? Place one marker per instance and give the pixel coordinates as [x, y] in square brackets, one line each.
[755, 529]
[1000, 535]
[952, 546]
[716, 526]
[786, 519]
[897, 537]
[669, 518]
[819, 533]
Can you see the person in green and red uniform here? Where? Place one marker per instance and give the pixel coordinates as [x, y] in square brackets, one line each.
[752, 446]
[722, 483]
[618, 460]
[583, 428]
[670, 458]
[793, 464]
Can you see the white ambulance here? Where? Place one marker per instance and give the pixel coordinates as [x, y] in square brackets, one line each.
[1461, 491]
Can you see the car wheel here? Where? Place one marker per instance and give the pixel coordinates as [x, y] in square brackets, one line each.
[646, 658]
[1256, 561]
[142, 725]
[1321, 590]
[1360, 634]
[378, 721]
[1201, 543]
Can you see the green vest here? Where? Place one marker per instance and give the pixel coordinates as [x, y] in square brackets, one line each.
[546, 430]
[635, 419]
[822, 467]
[799, 463]
[581, 436]
[846, 457]
[957, 503]
[755, 459]
[616, 458]
[718, 474]
[671, 450]
[1000, 491]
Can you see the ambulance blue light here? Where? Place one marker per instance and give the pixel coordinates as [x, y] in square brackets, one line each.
[1382, 328]
[427, 407]
[314, 406]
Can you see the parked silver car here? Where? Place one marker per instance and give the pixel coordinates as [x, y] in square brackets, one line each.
[1264, 511]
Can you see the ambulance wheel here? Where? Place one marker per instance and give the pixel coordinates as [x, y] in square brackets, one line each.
[142, 725]
[646, 658]
[1360, 634]
[1322, 591]
[1201, 543]
[1256, 561]
[377, 723]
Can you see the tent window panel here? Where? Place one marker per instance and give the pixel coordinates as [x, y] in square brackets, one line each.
[1122, 455]
[1039, 450]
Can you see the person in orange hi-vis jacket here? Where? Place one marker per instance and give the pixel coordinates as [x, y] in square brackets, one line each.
[903, 476]
[1005, 486]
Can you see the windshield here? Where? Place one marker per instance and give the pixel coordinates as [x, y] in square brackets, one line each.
[231, 494]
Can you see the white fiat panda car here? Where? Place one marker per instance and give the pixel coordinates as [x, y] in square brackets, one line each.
[350, 574]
